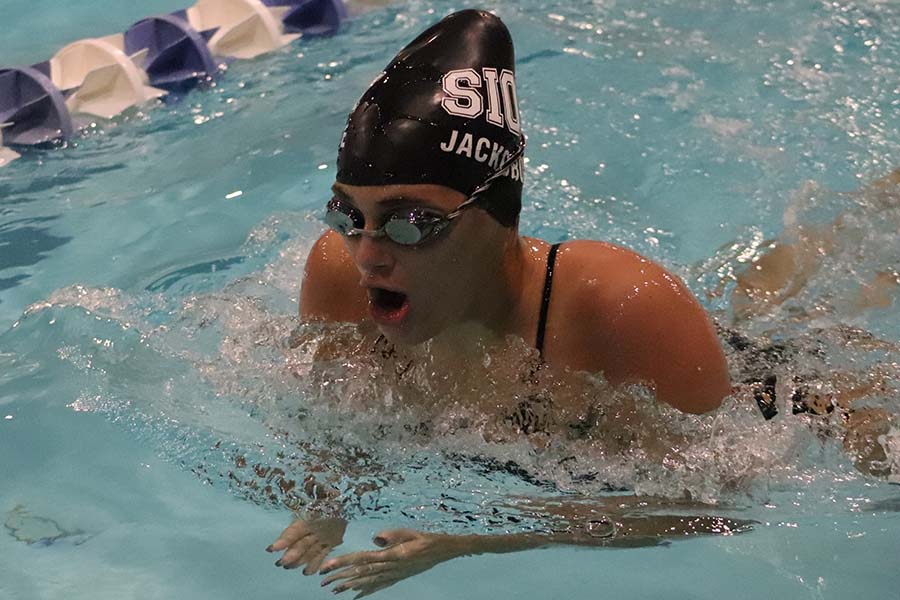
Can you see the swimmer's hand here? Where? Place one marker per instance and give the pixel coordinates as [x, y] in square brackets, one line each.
[308, 542]
[407, 552]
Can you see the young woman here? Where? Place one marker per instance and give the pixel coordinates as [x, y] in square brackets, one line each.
[424, 242]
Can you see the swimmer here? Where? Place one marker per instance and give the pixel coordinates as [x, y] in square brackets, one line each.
[837, 403]
[788, 263]
[424, 244]
[424, 239]
[780, 273]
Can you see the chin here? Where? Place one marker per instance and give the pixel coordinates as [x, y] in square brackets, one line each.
[406, 336]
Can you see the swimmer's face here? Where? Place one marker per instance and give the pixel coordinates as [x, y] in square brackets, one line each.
[416, 292]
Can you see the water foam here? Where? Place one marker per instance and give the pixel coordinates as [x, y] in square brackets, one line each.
[228, 384]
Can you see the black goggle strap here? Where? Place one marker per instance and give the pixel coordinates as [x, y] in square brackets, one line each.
[500, 172]
[476, 193]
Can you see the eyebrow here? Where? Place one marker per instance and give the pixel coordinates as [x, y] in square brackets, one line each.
[392, 203]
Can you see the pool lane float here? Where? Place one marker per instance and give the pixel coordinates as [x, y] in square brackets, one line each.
[32, 109]
[311, 17]
[244, 28]
[105, 76]
[177, 56]
[99, 79]
[7, 155]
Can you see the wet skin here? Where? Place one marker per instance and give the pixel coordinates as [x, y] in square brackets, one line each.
[787, 264]
[407, 552]
[612, 311]
[784, 269]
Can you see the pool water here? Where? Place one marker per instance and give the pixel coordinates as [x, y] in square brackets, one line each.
[149, 272]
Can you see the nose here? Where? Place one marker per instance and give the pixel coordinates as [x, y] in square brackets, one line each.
[372, 256]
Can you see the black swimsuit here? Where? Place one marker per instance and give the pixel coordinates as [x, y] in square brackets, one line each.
[535, 414]
[545, 299]
[763, 359]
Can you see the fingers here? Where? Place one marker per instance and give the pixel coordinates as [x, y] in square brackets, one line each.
[367, 584]
[301, 552]
[294, 532]
[302, 547]
[368, 572]
[354, 559]
[350, 573]
[315, 563]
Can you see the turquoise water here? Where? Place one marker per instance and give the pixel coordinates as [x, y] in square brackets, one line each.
[144, 306]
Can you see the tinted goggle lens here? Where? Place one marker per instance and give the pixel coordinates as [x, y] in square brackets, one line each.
[343, 218]
[339, 221]
[403, 231]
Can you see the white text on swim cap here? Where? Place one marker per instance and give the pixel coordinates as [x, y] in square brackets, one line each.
[464, 97]
[483, 150]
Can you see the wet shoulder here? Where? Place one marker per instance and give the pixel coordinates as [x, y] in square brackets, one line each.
[607, 298]
[330, 290]
[601, 274]
[625, 315]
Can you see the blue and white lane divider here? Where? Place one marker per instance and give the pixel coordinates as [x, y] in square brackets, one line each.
[311, 17]
[7, 155]
[244, 28]
[32, 109]
[178, 56]
[98, 78]
[101, 77]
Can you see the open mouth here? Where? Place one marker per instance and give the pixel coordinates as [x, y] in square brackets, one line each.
[388, 306]
[387, 300]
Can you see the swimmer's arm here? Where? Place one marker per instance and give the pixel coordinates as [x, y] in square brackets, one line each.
[648, 327]
[330, 290]
[407, 552]
[621, 532]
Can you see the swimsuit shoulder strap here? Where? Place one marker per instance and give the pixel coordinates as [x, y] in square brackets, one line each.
[545, 299]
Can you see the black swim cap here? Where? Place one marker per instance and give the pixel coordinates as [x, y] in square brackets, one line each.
[444, 111]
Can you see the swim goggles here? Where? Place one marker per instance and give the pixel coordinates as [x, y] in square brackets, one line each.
[409, 226]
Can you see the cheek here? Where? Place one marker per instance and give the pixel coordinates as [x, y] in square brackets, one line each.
[442, 276]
